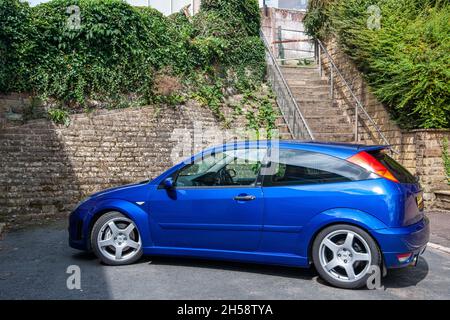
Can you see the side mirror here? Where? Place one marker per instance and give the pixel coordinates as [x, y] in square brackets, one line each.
[168, 184]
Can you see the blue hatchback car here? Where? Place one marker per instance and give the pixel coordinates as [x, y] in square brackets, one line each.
[342, 207]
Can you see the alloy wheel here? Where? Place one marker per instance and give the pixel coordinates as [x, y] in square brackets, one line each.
[119, 239]
[345, 255]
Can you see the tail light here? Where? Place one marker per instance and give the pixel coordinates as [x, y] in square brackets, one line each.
[365, 160]
[404, 257]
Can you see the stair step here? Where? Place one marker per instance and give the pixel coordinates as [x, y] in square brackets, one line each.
[326, 120]
[309, 87]
[283, 129]
[335, 137]
[305, 96]
[304, 77]
[319, 107]
[307, 113]
[293, 70]
[311, 66]
[309, 103]
[285, 136]
[306, 82]
[317, 103]
[312, 93]
[329, 129]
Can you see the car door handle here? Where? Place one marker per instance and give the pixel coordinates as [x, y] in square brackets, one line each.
[244, 198]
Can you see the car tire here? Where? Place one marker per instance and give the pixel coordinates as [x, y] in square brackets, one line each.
[115, 239]
[344, 254]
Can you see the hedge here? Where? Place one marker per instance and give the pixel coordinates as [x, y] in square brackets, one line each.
[406, 62]
[113, 56]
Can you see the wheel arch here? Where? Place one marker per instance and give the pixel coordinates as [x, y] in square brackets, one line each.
[352, 217]
[128, 209]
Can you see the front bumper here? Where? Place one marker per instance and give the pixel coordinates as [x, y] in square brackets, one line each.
[79, 228]
[395, 241]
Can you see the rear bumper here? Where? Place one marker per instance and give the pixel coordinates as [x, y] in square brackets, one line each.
[411, 239]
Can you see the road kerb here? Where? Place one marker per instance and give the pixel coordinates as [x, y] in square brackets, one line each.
[439, 247]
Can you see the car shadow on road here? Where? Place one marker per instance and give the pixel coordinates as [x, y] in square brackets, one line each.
[406, 277]
[84, 256]
[399, 278]
[396, 278]
[272, 270]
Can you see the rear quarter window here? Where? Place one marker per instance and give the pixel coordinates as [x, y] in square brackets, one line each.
[397, 170]
[299, 167]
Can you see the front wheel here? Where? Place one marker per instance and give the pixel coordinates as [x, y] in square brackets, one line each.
[115, 239]
[343, 255]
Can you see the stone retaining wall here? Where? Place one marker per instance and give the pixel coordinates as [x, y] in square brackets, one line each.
[45, 169]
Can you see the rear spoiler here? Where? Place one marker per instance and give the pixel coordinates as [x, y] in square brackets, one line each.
[373, 148]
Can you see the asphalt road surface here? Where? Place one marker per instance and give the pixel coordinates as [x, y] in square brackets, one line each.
[33, 265]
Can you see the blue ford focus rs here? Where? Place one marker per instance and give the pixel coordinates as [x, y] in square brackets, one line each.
[344, 208]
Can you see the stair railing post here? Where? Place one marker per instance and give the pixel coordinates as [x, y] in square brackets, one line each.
[356, 123]
[315, 52]
[280, 45]
[320, 61]
[331, 85]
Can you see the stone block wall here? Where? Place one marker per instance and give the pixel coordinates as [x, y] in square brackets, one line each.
[45, 169]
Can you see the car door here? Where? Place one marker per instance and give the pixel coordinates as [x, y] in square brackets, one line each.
[216, 203]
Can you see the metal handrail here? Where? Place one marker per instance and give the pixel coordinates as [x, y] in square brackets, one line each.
[358, 105]
[288, 105]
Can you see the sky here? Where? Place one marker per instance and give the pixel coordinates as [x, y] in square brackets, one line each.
[282, 3]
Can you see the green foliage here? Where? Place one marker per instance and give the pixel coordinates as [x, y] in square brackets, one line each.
[112, 58]
[59, 116]
[241, 16]
[113, 53]
[15, 45]
[260, 112]
[209, 93]
[446, 158]
[406, 62]
[317, 18]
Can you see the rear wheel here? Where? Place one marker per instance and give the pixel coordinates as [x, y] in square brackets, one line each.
[115, 239]
[343, 255]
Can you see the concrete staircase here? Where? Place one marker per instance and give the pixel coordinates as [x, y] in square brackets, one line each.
[312, 93]
[283, 129]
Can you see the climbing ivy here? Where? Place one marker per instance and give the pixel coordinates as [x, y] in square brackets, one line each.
[112, 57]
[260, 111]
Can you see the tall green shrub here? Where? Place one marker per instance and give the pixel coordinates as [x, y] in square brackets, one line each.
[15, 45]
[242, 16]
[406, 61]
[114, 52]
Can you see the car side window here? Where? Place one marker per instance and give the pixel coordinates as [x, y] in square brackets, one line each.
[239, 167]
[298, 167]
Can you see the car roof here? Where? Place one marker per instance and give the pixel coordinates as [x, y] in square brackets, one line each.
[340, 150]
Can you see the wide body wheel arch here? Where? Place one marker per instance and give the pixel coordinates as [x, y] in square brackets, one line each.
[131, 210]
[331, 217]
